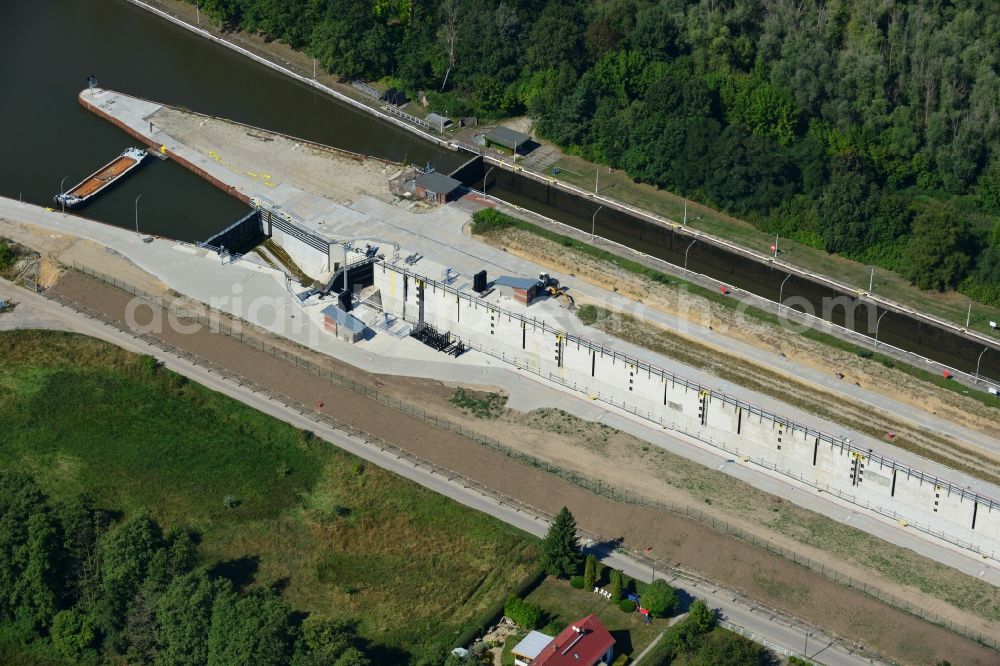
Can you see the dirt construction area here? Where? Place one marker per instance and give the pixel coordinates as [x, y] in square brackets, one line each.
[672, 538]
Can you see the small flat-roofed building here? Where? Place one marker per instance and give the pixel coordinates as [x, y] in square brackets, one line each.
[526, 651]
[508, 138]
[436, 186]
[525, 289]
[343, 324]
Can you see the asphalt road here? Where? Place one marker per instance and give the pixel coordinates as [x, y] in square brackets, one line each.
[36, 311]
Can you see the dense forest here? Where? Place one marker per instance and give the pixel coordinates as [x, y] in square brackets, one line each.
[81, 585]
[870, 128]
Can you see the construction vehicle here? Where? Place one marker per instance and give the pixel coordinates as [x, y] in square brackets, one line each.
[552, 288]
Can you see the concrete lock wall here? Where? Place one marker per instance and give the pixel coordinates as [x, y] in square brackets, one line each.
[828, 463]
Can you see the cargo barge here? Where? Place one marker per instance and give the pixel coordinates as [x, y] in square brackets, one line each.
[103, 178]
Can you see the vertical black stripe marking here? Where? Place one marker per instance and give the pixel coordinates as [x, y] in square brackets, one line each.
[975, 510]
[893, 492]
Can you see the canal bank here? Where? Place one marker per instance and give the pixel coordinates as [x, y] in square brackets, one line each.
[893, 324]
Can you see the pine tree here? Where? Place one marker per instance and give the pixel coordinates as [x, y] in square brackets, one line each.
[616, 585]
[590, 573]
[561, 549]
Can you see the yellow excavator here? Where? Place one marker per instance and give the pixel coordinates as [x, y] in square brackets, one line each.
[552, 287]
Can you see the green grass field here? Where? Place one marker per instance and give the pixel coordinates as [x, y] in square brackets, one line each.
[563, 604]
[339, 536]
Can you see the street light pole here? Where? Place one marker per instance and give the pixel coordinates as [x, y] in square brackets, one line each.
[871, 281]
[597, 176]
[979, 360]
[685, 212]
[775, 246]
[137, 214]
[805, 650]
[686, 253]
[877, 322]
[62, 191]
[484, 180]
[593, 222]
[968, 317]
[781, 289]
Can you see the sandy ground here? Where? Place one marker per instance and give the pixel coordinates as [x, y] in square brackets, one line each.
[335, 174]
[59, 250]
[869, 374]
[672, 537]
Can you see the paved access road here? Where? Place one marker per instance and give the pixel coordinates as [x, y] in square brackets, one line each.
[35, 310]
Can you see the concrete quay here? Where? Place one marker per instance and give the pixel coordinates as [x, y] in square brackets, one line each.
[321, 205]
[438, 232]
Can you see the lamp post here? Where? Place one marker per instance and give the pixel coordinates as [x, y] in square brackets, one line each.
[597, 176]
[968, 317]
[781, 289]
[137, 214]
[877, 322]
[979, 360]
[871, 281]
[805, 650]
[61, 192]
[686, 253]
[593, 222]
[484, 180]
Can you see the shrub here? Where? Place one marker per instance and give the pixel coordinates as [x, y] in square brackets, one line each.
[489, 220]
[865, 353]
[578, 582]
[149, 363]
[587, 314]
[7, 255]
[590, 573]
[701, 617]
[522, 613]
[230, 501]
[660, 599]
[616, 585]
[626, 606]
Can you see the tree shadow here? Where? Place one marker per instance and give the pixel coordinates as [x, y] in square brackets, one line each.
[684, 601]
[602, 549]
[241, 572]
[384, 654]
[280, 585]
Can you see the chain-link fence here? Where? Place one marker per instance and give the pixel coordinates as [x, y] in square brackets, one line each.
[217, 322]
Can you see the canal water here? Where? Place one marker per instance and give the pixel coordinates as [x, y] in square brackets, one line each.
[48, 48]
[734, 271]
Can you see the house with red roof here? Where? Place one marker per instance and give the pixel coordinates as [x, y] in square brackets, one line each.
[583, 643]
